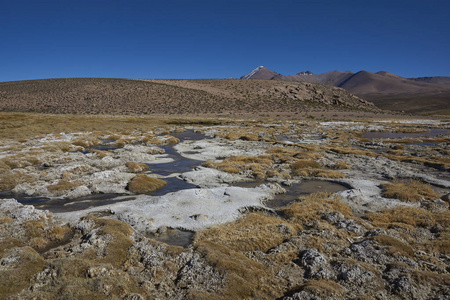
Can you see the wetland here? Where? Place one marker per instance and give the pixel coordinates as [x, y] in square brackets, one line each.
[259, 209]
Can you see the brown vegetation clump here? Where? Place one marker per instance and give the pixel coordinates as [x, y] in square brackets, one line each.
[12, 178]
[321, 288]
[20, 161]
[120, 242]
[144, 184]
[254, 232]
[283, 154]
[245, 277]
[86, 141]
[303, 164]
[340, 165]
[313, 206]
[123, 141]
[101, 153]
[63, 185]
[395, 246]
[311, 168]
[28, 263]
[408, 190]
[257, 166]
[42, 235]
[350, 150]
[135, 167]
[408, 216]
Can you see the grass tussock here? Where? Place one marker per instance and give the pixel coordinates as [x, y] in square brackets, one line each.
[41, 235]
[244, 276]
[13, 280]
[437, 162]
[350, 150]
[63, 185]
[303, 164]
[254, 232]
[144, 184]
[120, 242]
[340, 165]
[20, 161]
[311, 168]
[12, 178]
[135, 167]
[408, 190]
[321, 288]
[7, 243]
[101, 153]
[158, 140]
[257, 166]
[309, 172]
[86, 141]
[394, 246]
[313, 206]
[410, 216]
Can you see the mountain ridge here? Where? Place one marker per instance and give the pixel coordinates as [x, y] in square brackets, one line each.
[384, 89]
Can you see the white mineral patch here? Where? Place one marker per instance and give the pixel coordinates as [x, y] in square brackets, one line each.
[365, 196]
[208, 178]
[216, 149]
[21, 213]
[182, 209]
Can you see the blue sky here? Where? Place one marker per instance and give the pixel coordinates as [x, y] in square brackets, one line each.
[221, 39]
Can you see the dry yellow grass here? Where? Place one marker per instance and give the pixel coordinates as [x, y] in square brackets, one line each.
[7, 243]
[245, 277]
[12, 178]
[86, 141]
[340, 165]
[408, 190]
[350, 150]
[6, 220]
[101, 153]
[144, 184]
[439, 162]
[410, 216]
[254, 232]
[256, 165]
[321, 288]
[303, 164]
[395, 246]
[63, 185]
[14, 280]
[311, 168]
[135, 167]
[313, 206]
[20, 161]
[283, 154]
[29, 125]
[120, 233]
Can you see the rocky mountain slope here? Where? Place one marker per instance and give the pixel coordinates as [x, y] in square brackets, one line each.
[219, 96]
[386, 90]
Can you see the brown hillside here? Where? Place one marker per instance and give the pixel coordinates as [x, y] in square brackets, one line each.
[126, 96]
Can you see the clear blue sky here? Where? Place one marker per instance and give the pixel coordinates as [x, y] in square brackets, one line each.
[221, 39]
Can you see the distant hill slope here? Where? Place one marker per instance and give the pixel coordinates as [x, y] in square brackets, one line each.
[215, 96]
[386, 90]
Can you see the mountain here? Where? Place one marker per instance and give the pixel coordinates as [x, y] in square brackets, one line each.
[384, 89]
[261, 73]
[435, 79]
